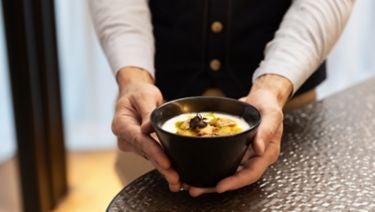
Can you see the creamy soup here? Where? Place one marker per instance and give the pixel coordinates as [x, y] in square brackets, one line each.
[205, 124]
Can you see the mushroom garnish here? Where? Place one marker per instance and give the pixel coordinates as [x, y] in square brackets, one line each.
[197, 122]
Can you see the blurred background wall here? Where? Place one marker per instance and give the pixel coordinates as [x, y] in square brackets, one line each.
[89, 88]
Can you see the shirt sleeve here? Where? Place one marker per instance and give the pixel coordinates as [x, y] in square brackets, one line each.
[307, 33]
[125, 32]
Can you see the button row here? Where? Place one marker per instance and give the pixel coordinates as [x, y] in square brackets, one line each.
[216, 27]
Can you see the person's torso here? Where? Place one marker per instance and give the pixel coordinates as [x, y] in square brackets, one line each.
[202, 44]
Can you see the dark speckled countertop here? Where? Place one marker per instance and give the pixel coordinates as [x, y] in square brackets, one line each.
[327, 164]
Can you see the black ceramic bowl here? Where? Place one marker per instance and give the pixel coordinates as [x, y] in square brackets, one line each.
[204, 161]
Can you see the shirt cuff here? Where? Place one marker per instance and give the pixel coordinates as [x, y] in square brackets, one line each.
[296, 78]
[122, 55]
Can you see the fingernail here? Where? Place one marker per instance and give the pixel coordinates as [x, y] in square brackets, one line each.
[221, 191]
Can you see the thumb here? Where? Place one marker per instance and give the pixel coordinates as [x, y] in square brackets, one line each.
[258, 145]
[146, 127]
[145, 112]
[271, 121]
[145, 107]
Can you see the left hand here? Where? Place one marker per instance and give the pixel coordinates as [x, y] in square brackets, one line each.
[268, 94]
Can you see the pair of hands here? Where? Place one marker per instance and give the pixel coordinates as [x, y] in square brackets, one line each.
[139, 97]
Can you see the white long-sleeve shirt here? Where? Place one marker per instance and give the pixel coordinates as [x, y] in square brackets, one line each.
[307, 33]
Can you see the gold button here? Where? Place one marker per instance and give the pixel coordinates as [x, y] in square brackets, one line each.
[217, 26]
[215, 65]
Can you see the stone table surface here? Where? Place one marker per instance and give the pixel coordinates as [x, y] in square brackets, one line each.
[327, 163]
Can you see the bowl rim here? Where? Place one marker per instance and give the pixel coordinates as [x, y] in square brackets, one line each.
[156, 126]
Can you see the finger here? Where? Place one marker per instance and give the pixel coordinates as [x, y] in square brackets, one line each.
[131, 137]
[271, 121]
[151, 151]
[249, 174]
[172, 178]
[124, 146]
[146, 127]
[154, 152]
[175, 187]
[122, 119]
[170, 175]
[258, 146]
[196, 191]
[161, 162]
[249, 152]
[145, 104]
[144, 145]
[252, 171]
[275, 145]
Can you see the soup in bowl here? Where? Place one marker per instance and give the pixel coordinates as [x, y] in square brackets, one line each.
[205, 137]
[205, 124]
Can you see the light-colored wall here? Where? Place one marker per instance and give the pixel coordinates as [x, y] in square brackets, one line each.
[353, 58]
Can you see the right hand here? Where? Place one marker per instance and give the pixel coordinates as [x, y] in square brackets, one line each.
[131, 123]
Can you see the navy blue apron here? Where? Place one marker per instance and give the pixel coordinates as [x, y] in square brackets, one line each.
[204, 44]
